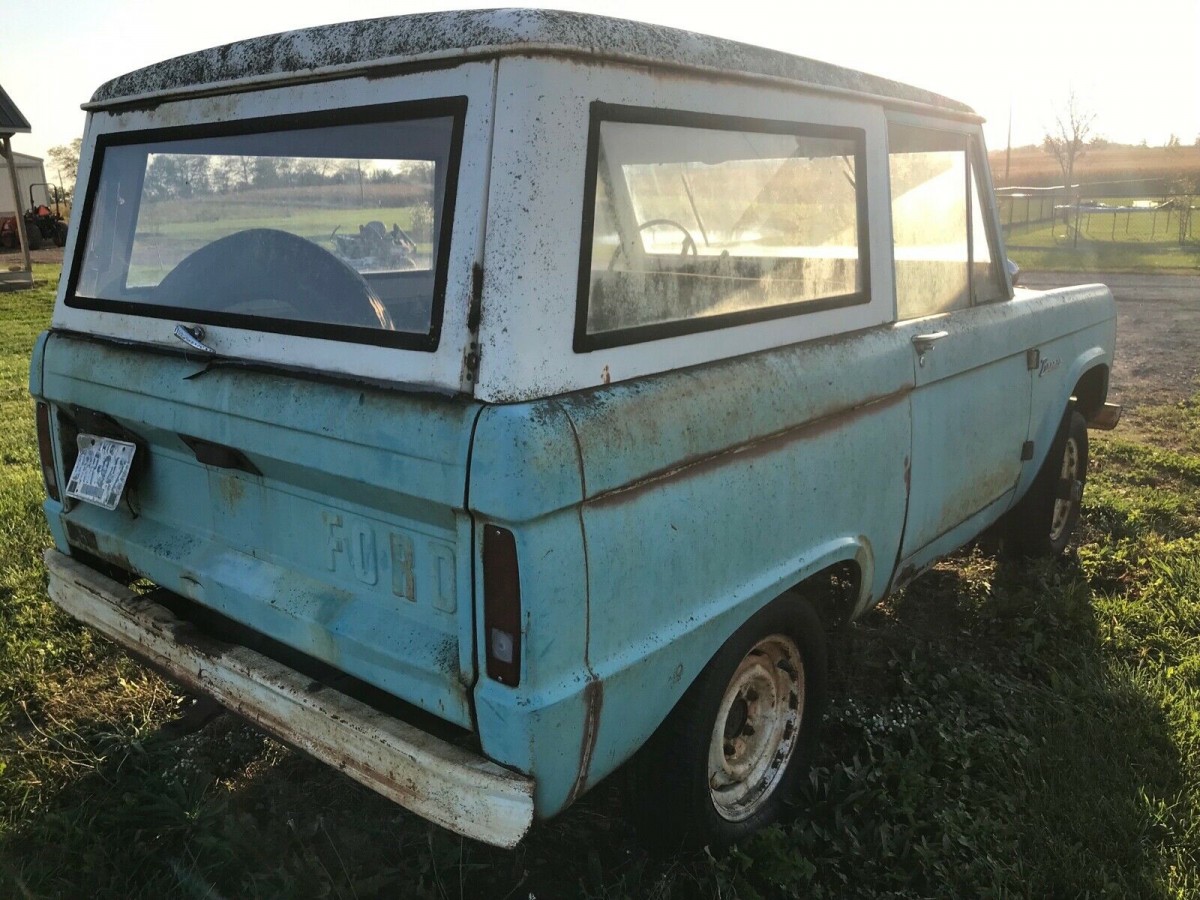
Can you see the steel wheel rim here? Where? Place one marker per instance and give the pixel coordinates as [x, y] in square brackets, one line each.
[1070, 474]
[756, 728]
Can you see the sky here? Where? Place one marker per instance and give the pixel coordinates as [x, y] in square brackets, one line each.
[1134, 65]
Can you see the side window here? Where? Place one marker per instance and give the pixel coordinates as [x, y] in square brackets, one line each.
[929, 220]
[987, 284]
[944, 257]
[694, 222]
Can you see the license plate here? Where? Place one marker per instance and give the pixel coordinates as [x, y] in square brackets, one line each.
[101, 470]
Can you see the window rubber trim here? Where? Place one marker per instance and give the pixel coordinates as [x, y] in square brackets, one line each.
[453, 107]
[585, 341]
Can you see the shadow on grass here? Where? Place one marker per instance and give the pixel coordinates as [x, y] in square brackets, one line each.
[992, 745]
[227, 812]
[981, 742]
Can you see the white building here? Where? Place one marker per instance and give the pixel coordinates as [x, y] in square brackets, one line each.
[30, 171]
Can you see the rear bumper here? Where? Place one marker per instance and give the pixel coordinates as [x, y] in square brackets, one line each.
[458, 790]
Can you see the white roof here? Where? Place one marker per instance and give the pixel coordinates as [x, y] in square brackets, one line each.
[335, 50]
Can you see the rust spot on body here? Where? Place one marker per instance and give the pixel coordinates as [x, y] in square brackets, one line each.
[83, 538]
[231, 490]
[593, 700]
[754, 449]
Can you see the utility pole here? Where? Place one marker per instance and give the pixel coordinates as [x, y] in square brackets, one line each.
[1008, 152]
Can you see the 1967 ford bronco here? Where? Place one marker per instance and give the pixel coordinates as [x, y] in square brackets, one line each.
[490, 394]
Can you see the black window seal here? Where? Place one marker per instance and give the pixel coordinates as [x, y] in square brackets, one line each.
[453, 107]
[976, 165]
[585, 342]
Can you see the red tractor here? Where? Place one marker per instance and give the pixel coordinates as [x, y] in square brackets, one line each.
[42, 224]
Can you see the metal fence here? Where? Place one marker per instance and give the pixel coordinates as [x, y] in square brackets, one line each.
[1056, 216]
[1025, 207]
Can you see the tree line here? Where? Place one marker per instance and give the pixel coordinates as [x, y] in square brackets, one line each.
[171, 175]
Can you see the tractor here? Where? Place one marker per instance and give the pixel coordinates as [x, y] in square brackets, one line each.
[42, 224]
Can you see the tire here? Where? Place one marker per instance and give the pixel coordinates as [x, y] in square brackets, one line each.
[725, 761]
[60, 234]
[1043, 521]
[34, 235]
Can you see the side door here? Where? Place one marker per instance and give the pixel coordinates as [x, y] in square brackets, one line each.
[970, 405]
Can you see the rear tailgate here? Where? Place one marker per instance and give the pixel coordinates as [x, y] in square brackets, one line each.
[326, 515]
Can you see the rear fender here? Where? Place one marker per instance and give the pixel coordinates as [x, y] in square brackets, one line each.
[642, 685]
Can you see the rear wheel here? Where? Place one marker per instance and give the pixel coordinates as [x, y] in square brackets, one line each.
[731, 753]
[1043, 521]
[33, 235]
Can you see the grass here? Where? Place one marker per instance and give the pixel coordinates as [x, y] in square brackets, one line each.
[313, 223]
[1109, 242]
[1050, 247]
[998, 730]
[1119, 258]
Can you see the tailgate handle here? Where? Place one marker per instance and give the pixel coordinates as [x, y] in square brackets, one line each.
[212, 454]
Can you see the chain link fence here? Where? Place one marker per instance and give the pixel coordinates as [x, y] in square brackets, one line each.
[1040, 217]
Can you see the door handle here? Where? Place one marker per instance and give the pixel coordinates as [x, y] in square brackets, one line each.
[924, 343]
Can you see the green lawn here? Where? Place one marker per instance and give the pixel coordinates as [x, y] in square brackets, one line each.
[999, 730]
[314, 223]
[1052, 247]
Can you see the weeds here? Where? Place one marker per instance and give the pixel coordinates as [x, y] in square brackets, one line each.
[998, 730]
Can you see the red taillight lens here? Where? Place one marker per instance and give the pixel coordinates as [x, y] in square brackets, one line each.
[46, 451]
[501, 605]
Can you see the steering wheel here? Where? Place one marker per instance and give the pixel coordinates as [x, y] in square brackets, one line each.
[689, 242]
[266, 264]
[688, 245]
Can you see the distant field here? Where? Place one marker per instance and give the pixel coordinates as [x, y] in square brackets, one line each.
[1032, 166]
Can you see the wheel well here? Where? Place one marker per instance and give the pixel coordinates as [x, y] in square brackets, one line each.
[1091, 391]
[833, 592]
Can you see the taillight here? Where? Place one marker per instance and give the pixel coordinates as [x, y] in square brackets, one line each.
[46, 451]
[501, 605]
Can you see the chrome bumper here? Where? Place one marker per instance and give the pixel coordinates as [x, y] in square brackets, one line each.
[458, 790]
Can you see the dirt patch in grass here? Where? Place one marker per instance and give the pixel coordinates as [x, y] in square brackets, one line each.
[1158, 332]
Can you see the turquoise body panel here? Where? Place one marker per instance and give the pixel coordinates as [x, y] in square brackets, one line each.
[648, 522]
[701, 495]
[792, 427]
[352, 545]
[652, 517]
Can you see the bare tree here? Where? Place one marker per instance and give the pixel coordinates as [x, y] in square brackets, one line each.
[1069, 140]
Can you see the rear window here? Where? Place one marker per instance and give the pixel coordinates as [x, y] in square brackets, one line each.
[312, 226]
[697, 222]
